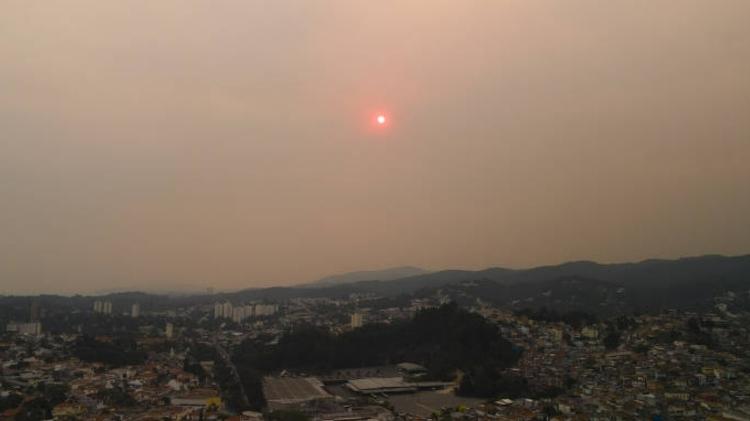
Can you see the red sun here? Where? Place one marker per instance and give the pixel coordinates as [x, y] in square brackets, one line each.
[379, 121]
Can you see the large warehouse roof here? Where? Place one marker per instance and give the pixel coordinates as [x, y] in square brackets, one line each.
[293, 390]
[381, 385]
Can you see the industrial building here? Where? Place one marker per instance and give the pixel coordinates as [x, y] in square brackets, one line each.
[380, 385]
[411, 369]
[390, 385]
[293, 392]
[32, 328]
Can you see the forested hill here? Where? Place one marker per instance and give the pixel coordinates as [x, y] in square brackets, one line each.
[648, 273]
[367, 275]
[664, 276]
[444, 340]
[646, 285]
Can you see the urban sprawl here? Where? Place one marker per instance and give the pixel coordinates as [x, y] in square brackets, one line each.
[132, 360]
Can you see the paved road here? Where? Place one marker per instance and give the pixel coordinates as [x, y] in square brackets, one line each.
[228, 361]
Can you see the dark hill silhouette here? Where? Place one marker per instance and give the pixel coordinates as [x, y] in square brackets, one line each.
[368, 275]
[648, 285]
[648, 273]
[651, 284]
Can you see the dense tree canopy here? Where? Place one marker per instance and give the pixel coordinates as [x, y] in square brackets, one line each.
[446, 337]
[119, 352]
[444, 340]
[10, 402]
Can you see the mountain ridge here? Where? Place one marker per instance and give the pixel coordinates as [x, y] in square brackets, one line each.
[386, 274]
[647, 285]
[634, 274]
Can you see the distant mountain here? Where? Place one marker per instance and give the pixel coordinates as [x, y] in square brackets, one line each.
[652, 273]
[569, 293]
[171, 290]
[599, 288]
[649, 285]
[369, 275]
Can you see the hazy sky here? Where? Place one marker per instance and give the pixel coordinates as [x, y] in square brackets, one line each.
[229, 143]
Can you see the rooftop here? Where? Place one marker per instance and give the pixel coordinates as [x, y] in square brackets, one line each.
[289, 390]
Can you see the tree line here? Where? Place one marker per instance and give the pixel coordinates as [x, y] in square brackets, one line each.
[446, 340]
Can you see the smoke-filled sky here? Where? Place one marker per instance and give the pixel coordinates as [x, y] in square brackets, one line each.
[230, 143]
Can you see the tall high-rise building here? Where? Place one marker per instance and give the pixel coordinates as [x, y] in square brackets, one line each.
[238, 314]
[107, 307]
[227, 310]
[357, 320]
[169, 330]
[98, 306]
[265, 310]
[218, 311]
[135, 310]
[33, 328]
